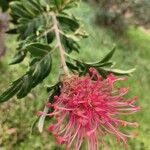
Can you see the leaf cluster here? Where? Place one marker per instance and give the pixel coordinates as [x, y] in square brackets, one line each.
[42, 28]
[105, 66]
[37, 39]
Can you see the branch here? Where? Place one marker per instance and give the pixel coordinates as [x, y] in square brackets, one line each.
[62, 51]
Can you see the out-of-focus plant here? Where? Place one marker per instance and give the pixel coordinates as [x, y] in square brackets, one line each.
[4, 23]
[84, 94]
[118, 14]
[4, 4]
[141, 13]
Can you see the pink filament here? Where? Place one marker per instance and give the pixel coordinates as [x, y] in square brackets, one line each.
[87, 109]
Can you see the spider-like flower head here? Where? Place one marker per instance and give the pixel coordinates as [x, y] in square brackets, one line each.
[88, 108]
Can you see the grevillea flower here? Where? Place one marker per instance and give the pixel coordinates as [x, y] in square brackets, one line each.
[88, 108]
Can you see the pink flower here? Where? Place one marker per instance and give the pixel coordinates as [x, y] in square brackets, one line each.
[88, 108]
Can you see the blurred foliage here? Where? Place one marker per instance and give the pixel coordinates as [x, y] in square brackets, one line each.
[4, 4]
[4, 24]
[118, 14]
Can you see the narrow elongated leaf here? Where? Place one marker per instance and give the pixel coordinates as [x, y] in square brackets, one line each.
[68, 24]
[19, 57]
[33, 125]
[91, 64]
[55, 90]
[11, 91]
[30, 7]
[36, 4]
[38, 49]
[25, 87]
[42, 119]
[31, 17]
[103, 64]
[21, 54]
[58, 3]
[102, 72]
[12, 31]
[50, 88]
[41, 69]
[119, 71]
[108, 56]
[71, 66]
[19, 10]
[69, 44]
[98, 64]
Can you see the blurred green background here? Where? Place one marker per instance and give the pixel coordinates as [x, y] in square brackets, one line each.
[133, 50]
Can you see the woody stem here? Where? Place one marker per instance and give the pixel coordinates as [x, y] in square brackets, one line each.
[60, 46]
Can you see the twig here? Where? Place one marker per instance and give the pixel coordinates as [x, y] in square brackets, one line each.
[62, 51]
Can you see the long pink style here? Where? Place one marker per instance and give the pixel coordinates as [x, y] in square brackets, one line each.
[88, 108]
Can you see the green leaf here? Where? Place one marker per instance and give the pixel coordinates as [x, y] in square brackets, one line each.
[30, 7]
[11, 91]
[40, 69]
[38, 49]
[42, 119]
[52, 87]
[71, 66]
[69, 44]
[55, 91]
[19, 57]
[45, 3]
[71, 4]
[58, 3]
[108, 56]
[50, 37]
[102, 72]
[21, 54]
[68, 23]
[4, 4]
[36, 4]
[21, 87]
[12, 31]
[30, 16]
[102, 64]
[89, 64]
[33, 125]
[25, 87]
[19, 10]
[119, 71]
